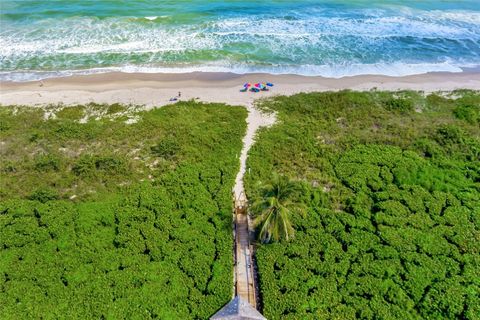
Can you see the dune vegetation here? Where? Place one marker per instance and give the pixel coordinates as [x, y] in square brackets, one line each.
[391, 185]
[108, 212]
[111, 212]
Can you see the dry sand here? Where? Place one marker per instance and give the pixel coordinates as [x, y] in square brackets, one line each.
[255, 120]
[157, 89]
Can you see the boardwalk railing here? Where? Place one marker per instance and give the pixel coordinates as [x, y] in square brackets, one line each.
[244, 266]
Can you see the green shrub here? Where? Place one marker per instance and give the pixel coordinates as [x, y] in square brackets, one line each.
[89, 165]
[84, 166]
[65, 129]
[469, 113]
[47, 162]
[68, 129]
[167, 148]
[44, 195]
[35, 136]
[71, 113]
[428, 148]
[9, 167]
[111, 164]
[4, 125]
[449, 135]
[399, 105]
[115, 108]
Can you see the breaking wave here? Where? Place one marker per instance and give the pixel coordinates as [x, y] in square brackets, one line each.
[309, 40]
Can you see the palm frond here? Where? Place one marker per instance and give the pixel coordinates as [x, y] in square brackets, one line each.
[273, 209]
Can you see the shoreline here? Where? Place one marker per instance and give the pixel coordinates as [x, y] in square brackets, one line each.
[156, 89]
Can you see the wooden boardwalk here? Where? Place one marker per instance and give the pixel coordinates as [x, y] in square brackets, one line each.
[244, 267]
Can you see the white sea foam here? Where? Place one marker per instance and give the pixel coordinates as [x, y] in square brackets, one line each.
[310, 44]
[376, 27]
[470, 17]
[329, 71]
[90, 36]
[115, 34]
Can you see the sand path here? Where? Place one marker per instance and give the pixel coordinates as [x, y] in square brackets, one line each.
[255, 120]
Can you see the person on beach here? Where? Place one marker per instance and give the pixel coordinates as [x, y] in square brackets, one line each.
[177, 97]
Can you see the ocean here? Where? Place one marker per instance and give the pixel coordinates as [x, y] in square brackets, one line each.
[40, 39]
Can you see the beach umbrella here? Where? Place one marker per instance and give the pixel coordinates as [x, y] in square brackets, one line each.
[246, 85]
[269, 84]
[257, 85]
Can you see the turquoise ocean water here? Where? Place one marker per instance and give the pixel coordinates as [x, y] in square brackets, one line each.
[48, 38]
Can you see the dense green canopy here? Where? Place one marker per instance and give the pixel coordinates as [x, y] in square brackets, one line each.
[392, 182]
[148, 233]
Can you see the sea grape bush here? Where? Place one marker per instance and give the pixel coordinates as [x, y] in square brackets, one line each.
[44, 195]
[399, 105]
[393, 190]
[47, 162]
[154, 248]
[167, 148]
[468, 109]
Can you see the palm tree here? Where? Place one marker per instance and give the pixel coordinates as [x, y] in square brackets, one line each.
[274, 208]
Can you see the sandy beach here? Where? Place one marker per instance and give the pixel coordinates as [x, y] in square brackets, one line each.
[157, 89]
